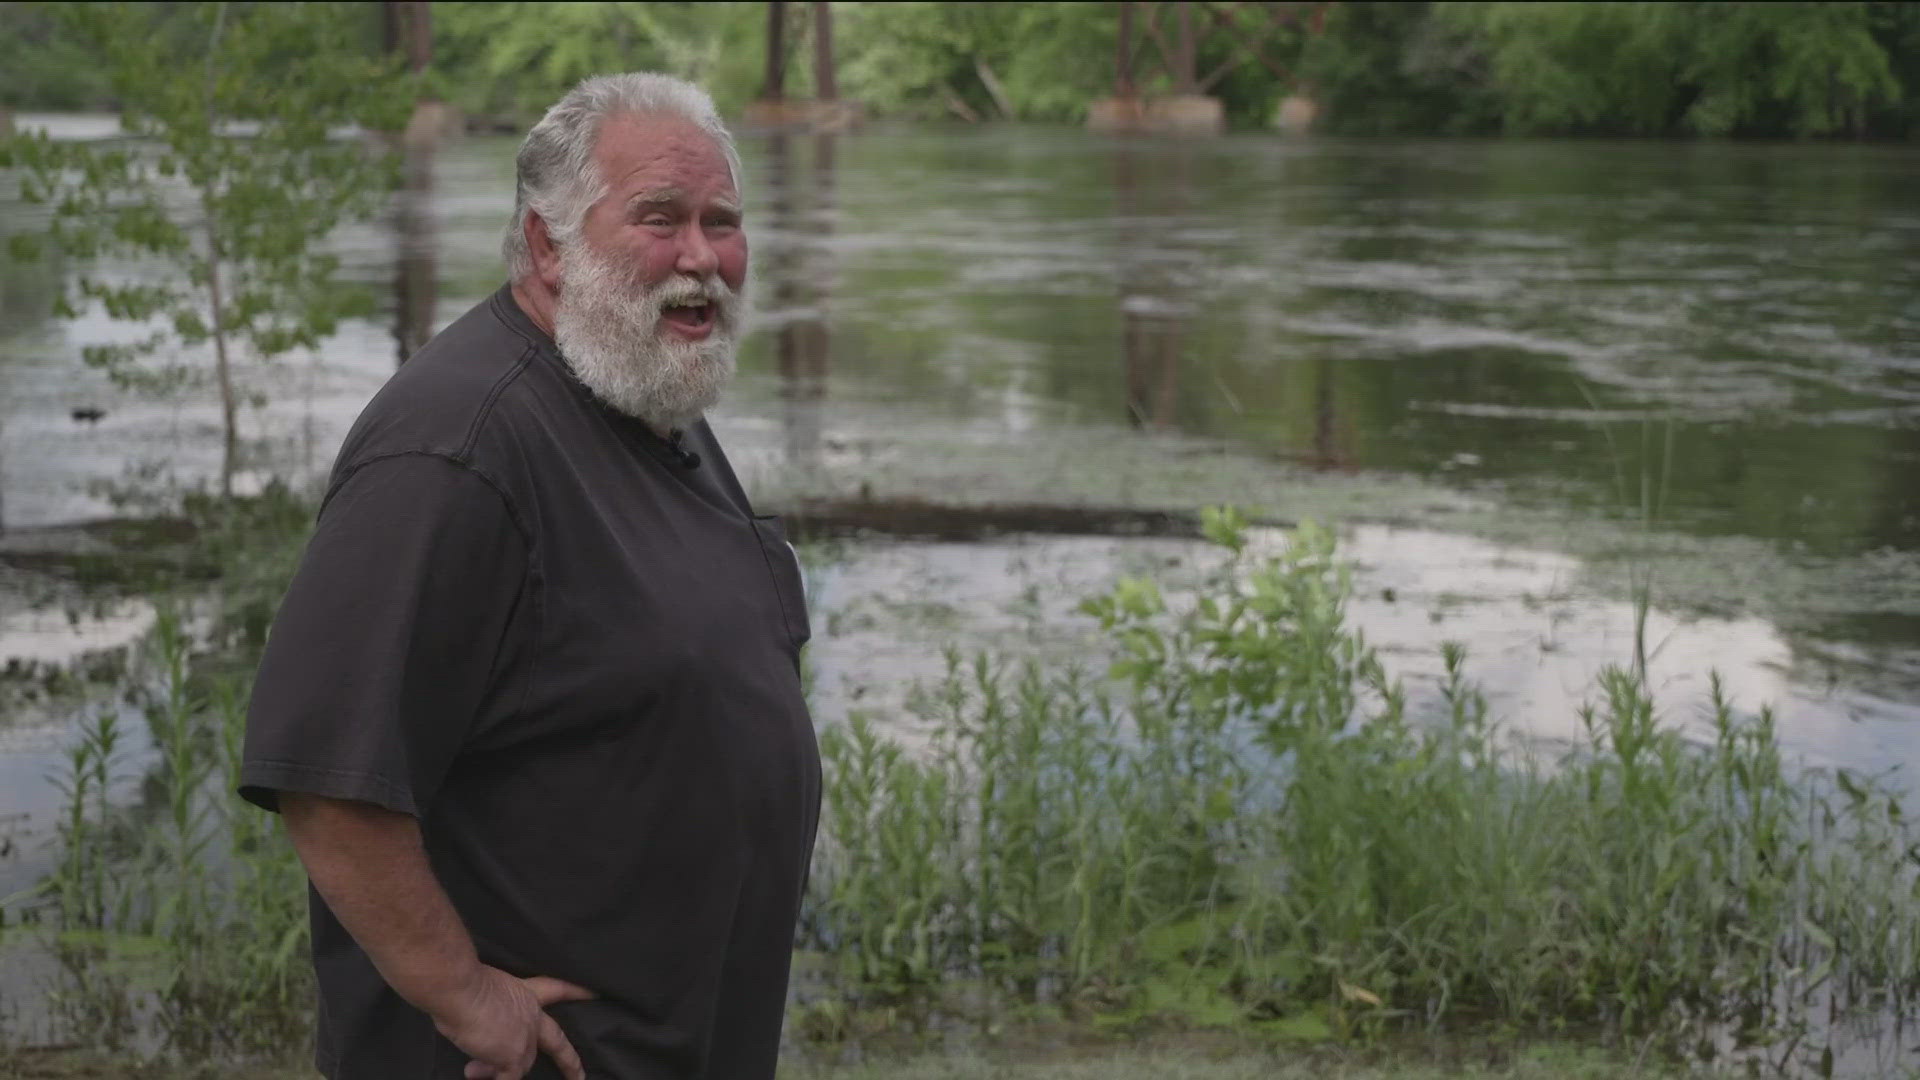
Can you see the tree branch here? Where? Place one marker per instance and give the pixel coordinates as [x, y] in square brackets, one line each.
[1224, 19]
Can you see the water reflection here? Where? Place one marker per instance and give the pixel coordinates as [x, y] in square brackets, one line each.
[415, 284]
[1155, 301]
[801, 205]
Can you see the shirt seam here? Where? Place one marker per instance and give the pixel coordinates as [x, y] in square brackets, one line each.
[458, 460]
[494, 305]
[485, 411]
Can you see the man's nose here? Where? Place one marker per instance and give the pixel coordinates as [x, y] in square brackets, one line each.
[697, 256]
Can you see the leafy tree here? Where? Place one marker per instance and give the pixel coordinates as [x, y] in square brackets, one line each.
[1392, 68]
[236, 167]
[1668, 68]
[1627, 68]
[1042, 61]
[1810, 68]
[512, 60]
[1895, 25]
[1577, 67]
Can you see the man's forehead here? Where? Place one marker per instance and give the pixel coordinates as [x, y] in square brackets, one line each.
[662, 159]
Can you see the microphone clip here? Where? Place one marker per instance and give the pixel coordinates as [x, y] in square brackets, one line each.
[687, 458]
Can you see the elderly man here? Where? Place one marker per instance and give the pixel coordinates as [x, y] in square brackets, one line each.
[531, 708]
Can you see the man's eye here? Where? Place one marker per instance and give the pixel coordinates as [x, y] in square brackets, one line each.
[656, 221]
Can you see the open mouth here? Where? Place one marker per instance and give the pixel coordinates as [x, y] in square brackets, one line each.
[697, 316]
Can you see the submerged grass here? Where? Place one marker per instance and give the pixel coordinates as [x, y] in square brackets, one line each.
[1244, 828]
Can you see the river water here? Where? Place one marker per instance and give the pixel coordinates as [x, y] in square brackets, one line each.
[1518, 375]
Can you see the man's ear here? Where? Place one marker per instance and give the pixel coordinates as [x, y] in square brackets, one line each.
[546, 257]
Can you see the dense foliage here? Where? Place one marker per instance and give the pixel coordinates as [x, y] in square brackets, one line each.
[1848, 69]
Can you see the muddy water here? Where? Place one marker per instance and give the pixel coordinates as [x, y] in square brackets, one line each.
[1519, 373]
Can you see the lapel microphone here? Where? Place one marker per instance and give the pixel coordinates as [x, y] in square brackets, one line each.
[688, 459]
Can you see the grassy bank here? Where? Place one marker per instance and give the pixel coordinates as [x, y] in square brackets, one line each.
[1223, 822]
[1550, 1063]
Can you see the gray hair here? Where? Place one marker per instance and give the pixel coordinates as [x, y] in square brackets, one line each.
[554, 173]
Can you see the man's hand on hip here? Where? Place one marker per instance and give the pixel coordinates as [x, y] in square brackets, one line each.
[371, 868]
[502, 1022]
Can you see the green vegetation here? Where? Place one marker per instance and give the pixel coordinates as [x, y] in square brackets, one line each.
[1628, 68]
[1238, 830]
[1251, 834]
[512, 60]
[1540, 1064]
[1699, 68]
[227, 217]
[180, 914]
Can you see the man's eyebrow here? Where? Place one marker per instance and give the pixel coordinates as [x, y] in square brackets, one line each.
[670, 195]
[657, 197]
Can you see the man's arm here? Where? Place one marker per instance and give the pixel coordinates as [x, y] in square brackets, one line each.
[369, 865]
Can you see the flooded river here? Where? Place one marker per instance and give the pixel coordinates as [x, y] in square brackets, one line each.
[1517, 374]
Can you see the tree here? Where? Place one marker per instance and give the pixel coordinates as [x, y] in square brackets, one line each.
[240, 160]
[1896, 27]
[1668, 68]
[1036, 61]
[512, 60]
[1392, 68]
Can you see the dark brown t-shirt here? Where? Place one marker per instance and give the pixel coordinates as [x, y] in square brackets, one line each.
[569, 649]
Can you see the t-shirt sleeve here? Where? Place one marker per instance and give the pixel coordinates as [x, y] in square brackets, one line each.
[384, 649]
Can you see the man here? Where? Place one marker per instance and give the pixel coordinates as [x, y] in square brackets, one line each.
[531, 708]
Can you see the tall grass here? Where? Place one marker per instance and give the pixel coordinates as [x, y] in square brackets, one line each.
[1242, 825]
[177, 913]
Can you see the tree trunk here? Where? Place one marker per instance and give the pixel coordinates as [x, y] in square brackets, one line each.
[775, 87]
[415, 284]
[1185, 63]
[409, 31]
[824, 87]
[1123, 87]
[216, 296]
[223, 367]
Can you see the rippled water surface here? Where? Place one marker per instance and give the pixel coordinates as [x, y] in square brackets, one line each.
[1535, 367]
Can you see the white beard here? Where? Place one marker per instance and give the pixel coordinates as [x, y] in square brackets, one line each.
[608, 329]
